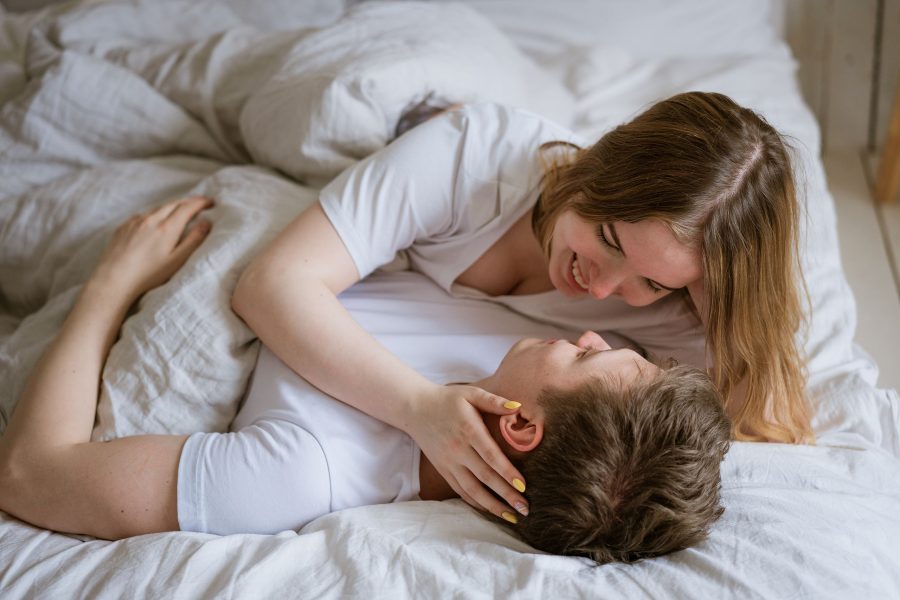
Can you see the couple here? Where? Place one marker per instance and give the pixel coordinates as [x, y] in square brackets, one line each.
[694, 198]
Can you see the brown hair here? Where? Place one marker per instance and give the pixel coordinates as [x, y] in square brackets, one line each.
[626, 473]
[721, 178]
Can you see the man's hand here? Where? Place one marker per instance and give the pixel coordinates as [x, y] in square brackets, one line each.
[147, 249]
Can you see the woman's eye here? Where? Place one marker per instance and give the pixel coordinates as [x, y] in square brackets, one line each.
[601, 235]
[653, 287]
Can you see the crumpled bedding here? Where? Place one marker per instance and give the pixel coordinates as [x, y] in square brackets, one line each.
[100, 128]
[111, 108]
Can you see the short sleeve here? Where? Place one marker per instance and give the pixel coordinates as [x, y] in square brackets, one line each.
[268, 477]
[401, 194]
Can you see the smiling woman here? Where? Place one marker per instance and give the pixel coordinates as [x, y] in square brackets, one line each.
[696, 193]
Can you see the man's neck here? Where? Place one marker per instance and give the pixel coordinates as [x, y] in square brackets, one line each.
[431, 485]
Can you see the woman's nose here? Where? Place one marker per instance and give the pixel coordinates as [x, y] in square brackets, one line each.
[604, 280]
[602, 287]
[590, 339]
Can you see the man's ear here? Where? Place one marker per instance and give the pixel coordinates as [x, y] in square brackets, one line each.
[521, 433]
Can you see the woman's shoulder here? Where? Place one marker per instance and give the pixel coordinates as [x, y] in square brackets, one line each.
[502, 143]
[510, 120]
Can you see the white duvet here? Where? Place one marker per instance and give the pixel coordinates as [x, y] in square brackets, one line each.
[108, 108]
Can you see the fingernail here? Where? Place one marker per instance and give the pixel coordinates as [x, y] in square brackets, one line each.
[508, 516]
[522, 508]
[518, 484]
[511, 404]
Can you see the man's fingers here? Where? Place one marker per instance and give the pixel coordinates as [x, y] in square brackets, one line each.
[163, 211]
[191, 241]
[186, 209]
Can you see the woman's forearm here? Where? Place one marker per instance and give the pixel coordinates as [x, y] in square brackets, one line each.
[316, 336]
[288, 297]
[59, 401]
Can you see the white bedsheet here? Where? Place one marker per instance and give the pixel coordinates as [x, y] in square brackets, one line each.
[108, 108]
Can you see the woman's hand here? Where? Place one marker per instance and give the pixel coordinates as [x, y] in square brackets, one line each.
[147, 249]
[450, 430]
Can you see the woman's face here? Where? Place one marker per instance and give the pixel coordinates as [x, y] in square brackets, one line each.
[639, 262]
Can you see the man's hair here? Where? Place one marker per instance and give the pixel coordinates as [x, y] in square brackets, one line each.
[626, 472]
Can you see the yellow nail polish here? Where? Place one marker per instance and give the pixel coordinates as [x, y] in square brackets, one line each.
[508, 516]
[519, 485]
[511, 404]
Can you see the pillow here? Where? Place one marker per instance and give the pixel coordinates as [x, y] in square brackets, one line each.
[341, 89]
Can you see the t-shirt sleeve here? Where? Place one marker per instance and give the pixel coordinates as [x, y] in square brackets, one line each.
[401, 194]
[268, 477]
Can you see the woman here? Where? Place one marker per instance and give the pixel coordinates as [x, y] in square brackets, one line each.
[691, 203]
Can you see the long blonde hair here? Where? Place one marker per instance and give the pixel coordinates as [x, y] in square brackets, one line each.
[721, 178]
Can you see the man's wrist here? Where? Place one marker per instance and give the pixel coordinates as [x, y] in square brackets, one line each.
[107, 294]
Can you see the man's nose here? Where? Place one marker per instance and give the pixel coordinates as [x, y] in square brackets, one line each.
[590, 339]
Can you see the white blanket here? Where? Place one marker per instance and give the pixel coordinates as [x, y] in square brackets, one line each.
[109, 108]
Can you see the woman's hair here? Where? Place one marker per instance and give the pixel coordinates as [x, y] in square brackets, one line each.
[721, 178]
[626, 472]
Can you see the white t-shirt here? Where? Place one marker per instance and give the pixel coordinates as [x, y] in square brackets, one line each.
[444, 192]
[295, 453]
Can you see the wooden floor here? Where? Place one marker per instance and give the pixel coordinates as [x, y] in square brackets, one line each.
[870, 250]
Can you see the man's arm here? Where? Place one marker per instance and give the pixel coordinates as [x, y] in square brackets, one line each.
[51, 474]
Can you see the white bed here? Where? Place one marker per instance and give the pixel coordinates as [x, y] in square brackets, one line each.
[110, 107]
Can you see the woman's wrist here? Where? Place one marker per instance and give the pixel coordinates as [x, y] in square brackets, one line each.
[411, 405]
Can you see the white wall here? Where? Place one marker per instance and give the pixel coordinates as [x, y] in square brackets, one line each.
[849, 55]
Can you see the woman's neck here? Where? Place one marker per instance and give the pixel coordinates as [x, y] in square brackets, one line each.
[528, 256]
[515, 265]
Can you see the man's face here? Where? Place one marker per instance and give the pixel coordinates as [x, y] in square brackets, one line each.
[532, 365]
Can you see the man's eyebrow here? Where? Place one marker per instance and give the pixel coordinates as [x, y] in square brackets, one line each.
[615, 237]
